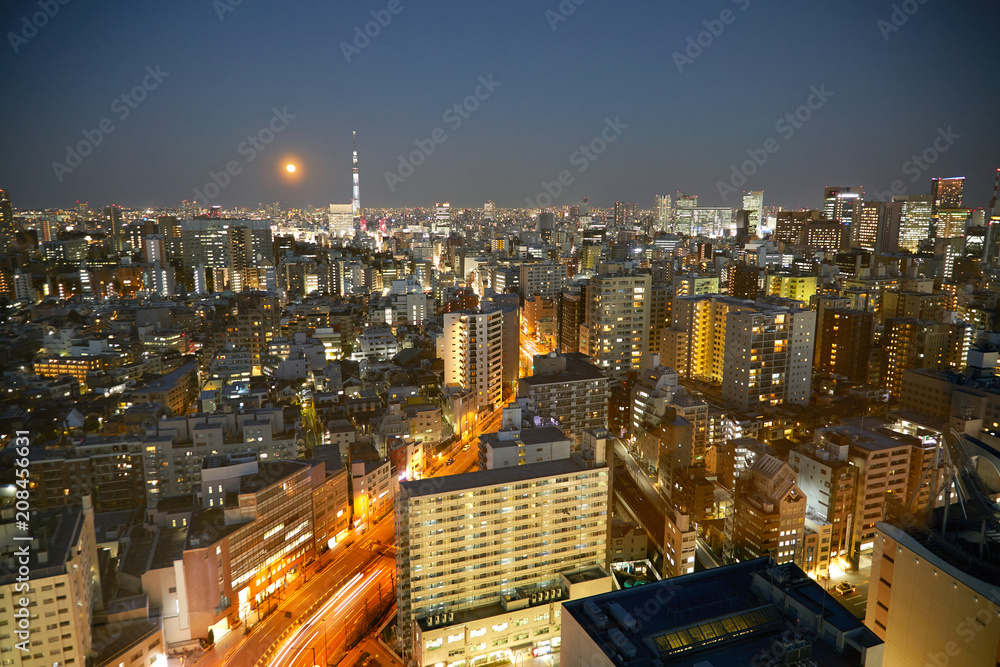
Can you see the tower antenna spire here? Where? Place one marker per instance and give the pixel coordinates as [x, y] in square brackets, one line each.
[356, 199]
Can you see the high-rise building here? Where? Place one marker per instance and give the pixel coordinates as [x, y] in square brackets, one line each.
[753, 204]
[684, 213]
[615, 332]
[877, 227]
[571, 314]
[490, 586]
[664, 212]
[936, 599]
[790, 225]
[829, 480]
[442, 219]
[768, 356]
[828, 235]
[545, 279]
[252, 323]
[113, 227]
[910, 343]
[842, 203]
[7, 227]
[472, 350]
[946, 193]
[847, 337]
[914, 221]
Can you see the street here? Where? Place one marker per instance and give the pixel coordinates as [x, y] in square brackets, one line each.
[240, 650]
[345, 616]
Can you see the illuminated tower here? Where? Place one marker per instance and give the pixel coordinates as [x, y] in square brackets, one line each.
[356, 200]
[7, 227]
[753, 203]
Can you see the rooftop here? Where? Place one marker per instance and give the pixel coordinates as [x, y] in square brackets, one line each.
[723, 616]
[434, 486]
[526, 436]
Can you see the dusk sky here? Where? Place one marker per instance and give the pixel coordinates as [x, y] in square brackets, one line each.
[892, 93]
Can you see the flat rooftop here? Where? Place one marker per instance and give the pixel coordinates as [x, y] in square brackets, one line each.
[527, 436]
[721, 616]
[434, 486]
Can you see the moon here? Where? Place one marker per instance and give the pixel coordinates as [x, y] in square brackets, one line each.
[290, 168]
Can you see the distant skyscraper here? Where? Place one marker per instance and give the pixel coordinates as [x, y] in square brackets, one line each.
[442, 219]
[488, 210]
[947, 192]
[356, 200]
[878, 227]
[843, 204]
[664, 209]
[7, 227]
[113, 216]
[914, 221]
[753, 203]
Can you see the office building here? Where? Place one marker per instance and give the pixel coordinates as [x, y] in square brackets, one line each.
[615, 332]
[842, 203]
[753, 204]
[663, 207]
[914, 221]
[790, 225]
[491, 591]
[738, 614]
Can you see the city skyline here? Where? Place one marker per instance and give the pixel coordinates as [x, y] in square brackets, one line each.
[514, 112]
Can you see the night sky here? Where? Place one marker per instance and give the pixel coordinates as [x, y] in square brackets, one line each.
[892, 91]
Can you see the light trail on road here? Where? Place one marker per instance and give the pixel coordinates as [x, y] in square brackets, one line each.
[309, 632]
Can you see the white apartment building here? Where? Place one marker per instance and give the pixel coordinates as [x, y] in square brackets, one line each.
[481, 557]
[472, 350]
[545, 279]
[63, 588]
